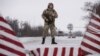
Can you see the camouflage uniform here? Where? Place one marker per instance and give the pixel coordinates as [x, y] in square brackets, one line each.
[49, 16]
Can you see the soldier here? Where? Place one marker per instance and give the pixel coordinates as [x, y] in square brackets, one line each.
[49, 16]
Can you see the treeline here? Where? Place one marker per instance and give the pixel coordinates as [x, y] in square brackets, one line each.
[25, 30]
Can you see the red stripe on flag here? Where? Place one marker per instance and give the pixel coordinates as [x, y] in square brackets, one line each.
[95, 18]
[2, 19]
[63, 51]
[46, 52]
[2, 54]
[71, 51]
[11, 41]
[84, 53]
[93, 40]
[7, 30]
[55, 51]
[33, 53]
[90, 47]
[94, 25]
[38, 49]
[80, 53]
[94, 33]
[12, 50]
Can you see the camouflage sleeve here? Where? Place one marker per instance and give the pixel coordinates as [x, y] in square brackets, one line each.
[55, 14]
[43, 15]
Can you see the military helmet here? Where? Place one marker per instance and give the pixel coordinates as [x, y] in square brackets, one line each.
[50, 4]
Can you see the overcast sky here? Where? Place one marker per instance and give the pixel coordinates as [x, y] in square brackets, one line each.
[69, 11]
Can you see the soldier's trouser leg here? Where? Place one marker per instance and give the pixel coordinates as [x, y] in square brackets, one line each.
[45, 32]
[53, 32]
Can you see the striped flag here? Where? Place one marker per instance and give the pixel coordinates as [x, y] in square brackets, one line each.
[9, 43]
[35, 52]
[91, 40]
[58, 51]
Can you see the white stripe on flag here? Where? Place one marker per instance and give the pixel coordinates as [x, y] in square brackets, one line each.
[5, 25]
[75, 53]
[87, 49]
[91, 43]
[9, 36]
[42, 51]
[95, 22]
[93, 36]
[50, 51]
[67, 51]
[93, 29]
[13, 46]
[59, 51]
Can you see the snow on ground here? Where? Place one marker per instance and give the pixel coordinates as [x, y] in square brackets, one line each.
[35, 42]
[31, 43]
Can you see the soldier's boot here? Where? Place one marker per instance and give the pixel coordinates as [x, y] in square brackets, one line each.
[53, 41]
[43, 40]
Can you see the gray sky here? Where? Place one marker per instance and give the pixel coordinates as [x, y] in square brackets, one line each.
[69, 11]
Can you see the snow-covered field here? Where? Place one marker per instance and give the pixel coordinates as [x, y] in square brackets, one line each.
[30, 42]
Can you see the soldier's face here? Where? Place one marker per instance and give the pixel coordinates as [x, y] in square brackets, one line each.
[50, 6]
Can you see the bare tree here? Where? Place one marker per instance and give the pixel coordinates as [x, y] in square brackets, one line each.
[93, 7]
